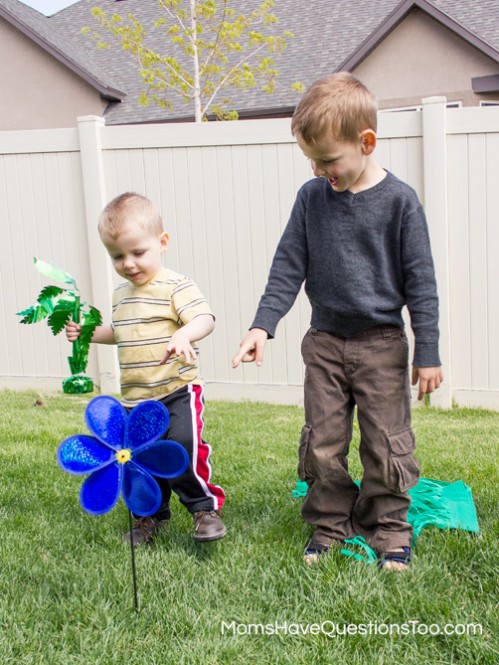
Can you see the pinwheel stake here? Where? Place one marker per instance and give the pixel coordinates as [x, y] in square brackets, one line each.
[61, 305]
[122, 456]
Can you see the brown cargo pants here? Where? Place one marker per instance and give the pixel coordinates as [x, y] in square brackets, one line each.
[369, 371]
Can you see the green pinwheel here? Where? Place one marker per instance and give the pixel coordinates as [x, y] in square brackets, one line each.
[59, 306]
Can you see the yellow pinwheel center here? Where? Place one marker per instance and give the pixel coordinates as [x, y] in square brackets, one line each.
[123, 456]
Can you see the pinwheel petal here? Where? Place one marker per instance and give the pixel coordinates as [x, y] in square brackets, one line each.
[100, 491]
[81, 453]
[147, 422]
[141, 492]
[106, 419]
[167, 459]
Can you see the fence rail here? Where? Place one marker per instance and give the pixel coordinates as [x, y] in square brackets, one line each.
[225, 191]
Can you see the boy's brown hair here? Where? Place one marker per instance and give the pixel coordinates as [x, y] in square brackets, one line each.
[129, 208]
[338, 105]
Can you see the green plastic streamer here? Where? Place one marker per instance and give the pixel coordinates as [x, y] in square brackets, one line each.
[433, 503]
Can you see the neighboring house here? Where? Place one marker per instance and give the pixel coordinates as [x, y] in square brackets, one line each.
[50, 73]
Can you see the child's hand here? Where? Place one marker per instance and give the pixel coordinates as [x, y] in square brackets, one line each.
[429, 379]
[73, 331]
[251, 348]
[181, 346]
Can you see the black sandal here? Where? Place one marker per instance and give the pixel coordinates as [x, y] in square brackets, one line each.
[397, 557]
[314, 551]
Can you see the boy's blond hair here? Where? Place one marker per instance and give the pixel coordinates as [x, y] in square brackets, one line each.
[129, 208]
[338, 105]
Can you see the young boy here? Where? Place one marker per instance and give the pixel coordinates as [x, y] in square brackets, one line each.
[158, 316]
[358, 238]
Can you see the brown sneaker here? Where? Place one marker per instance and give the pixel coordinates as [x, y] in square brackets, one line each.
[144, 530]
[208, 526]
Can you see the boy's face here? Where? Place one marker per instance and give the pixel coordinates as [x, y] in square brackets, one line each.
[136, 252]
[341, 162]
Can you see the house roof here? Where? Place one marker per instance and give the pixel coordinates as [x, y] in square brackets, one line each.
[402, 10]
[330, 35]
[62, 47]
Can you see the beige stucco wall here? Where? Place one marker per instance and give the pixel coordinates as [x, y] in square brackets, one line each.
[421, 58]
[39, 92]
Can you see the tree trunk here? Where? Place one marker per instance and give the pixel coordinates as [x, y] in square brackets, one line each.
[195, 58]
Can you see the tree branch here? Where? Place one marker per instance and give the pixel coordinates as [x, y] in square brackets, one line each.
[228, 75]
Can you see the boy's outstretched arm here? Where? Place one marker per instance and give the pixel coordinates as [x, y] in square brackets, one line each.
[181, 342]
[101, 334]
[429, 379]
[251, 348]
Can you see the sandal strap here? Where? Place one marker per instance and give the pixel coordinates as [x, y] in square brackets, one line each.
[398, 557]
[316, 548]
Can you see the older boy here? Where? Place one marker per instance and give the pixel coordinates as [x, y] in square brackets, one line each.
[158, 316]
[358, 238]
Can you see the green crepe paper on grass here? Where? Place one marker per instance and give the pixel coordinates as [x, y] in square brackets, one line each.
[62, 305]
[433, 503]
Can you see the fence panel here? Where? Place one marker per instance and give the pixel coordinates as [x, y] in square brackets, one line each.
[225, 191]
[42, 215]
[225, 208]
[473, 177]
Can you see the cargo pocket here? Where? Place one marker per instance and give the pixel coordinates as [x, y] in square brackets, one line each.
[403, 468]
[303, 474]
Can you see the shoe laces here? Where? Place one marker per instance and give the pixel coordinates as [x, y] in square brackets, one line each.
[200, 514]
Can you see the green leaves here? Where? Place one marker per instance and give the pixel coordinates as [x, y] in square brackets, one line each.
[224, 50]
[62, 314]
[61, 306]
[52, 272]
[49, 293]
[90, 320]
[47, 301]
[33, 314]
[54, 302]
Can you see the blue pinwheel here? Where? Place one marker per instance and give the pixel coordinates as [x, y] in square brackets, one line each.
[123, 456]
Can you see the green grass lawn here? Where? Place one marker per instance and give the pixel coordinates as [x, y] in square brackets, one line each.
[66, 592]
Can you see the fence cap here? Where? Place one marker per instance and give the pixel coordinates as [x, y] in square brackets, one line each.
[435, 100]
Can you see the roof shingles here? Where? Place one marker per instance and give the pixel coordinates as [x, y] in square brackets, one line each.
[326, 33]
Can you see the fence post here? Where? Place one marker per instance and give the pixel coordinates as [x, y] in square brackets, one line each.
[94, 192]
[435, 195]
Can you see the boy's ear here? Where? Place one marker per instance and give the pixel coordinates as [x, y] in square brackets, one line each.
[368, 141]
[163, 239]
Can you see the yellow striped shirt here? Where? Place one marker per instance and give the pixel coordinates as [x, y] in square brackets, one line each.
[144, 318]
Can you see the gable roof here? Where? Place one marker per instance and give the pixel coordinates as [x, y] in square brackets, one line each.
[330, 35]
[398, 15]
[41, 31]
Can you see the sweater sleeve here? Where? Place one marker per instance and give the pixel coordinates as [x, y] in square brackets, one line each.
[421, 288]
[287, 272]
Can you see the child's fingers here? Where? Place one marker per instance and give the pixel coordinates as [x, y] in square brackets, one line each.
[422, 389]
[189, 354]
[430, 379]
[244, 355]
[251, 348]
[73, 331]
[258, 353]
[168, 353]
[248, 353]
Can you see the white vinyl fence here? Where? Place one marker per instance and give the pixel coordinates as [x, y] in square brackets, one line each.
[225, 191]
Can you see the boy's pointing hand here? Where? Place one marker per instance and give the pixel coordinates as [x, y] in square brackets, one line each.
[251, 348]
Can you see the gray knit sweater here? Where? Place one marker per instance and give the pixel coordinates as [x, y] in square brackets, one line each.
[362, 257]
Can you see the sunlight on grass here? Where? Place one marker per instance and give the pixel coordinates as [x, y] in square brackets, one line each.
[66, 589]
